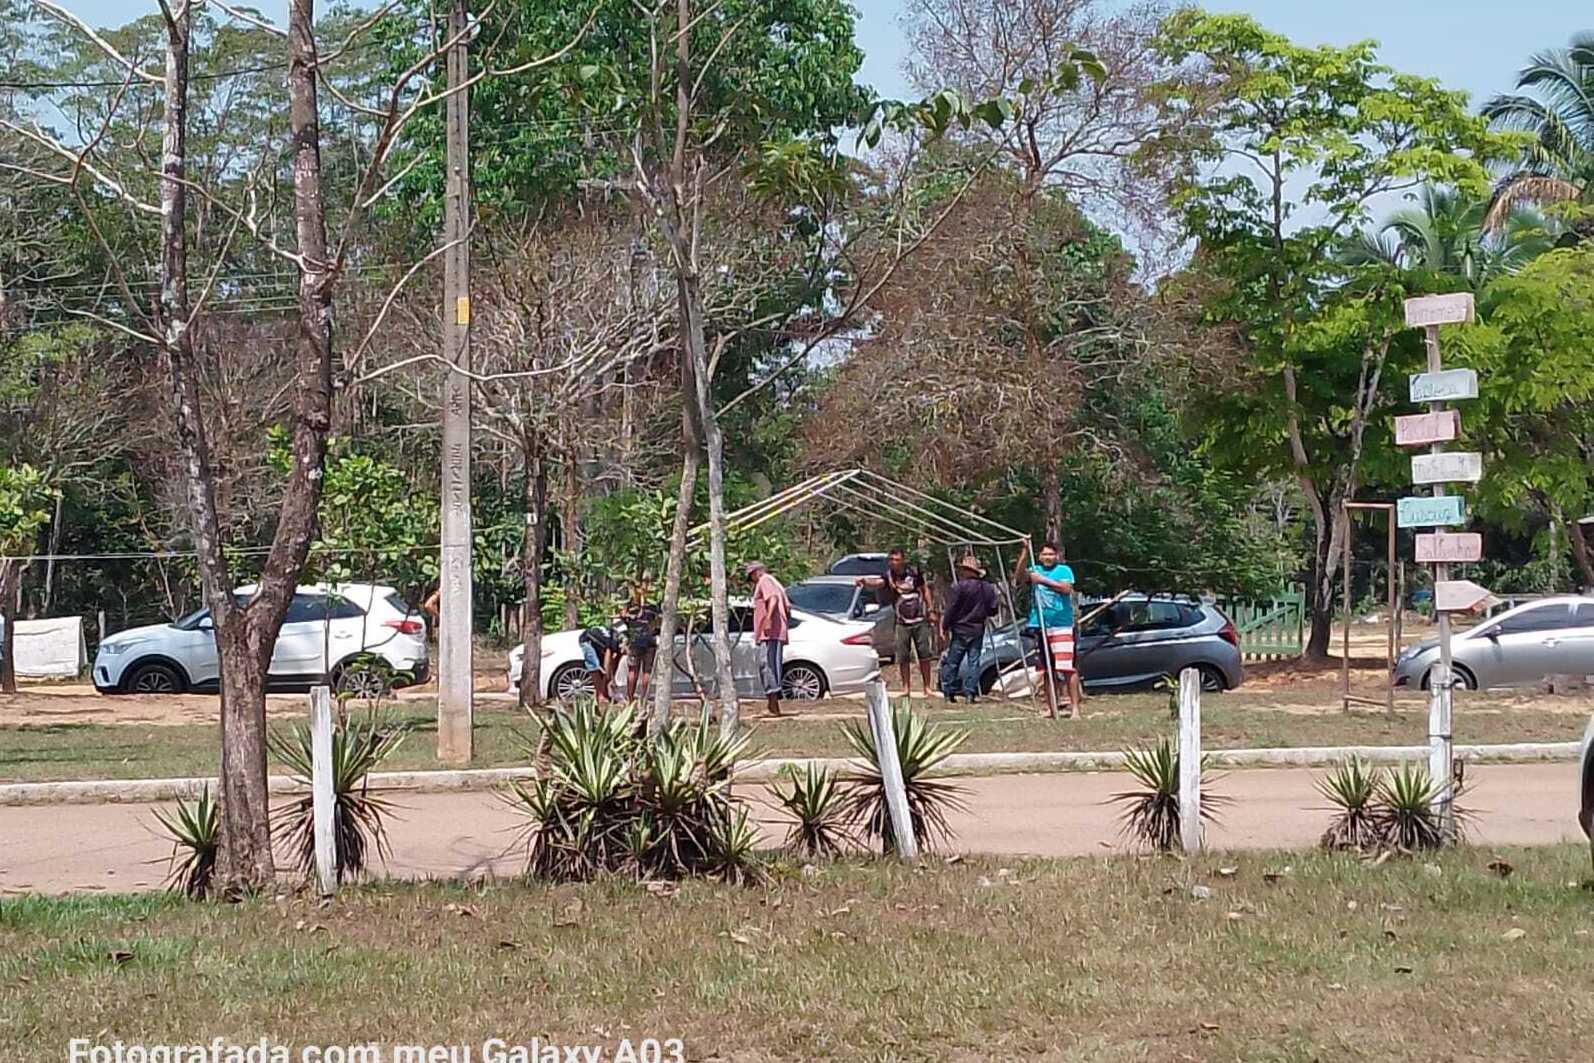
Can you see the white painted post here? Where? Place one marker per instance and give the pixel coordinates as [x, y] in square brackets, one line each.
[1190, 759]
[321, 787]
[885, 744]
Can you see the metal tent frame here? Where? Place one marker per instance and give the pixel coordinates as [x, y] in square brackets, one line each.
[880, 498]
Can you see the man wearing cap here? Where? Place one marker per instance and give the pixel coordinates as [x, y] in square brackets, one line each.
[969, 605]
[771, 623]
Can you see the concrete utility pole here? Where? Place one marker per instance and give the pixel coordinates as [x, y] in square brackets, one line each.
[455, 707]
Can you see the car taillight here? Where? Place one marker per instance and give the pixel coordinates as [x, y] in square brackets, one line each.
[1230, 634]
[405, 627]
[862, 638]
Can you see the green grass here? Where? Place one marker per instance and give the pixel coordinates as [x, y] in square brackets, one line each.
[1291, 957]
[36, 753]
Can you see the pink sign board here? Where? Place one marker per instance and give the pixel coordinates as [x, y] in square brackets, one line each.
[1421, 429]
[1443, 548]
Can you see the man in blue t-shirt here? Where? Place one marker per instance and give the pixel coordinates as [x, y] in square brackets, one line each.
[1051, 621]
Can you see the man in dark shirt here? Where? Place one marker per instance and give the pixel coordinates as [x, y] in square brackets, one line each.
[904, 589]
[971, 603]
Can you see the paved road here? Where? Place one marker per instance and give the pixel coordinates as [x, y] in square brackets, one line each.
[114, 847]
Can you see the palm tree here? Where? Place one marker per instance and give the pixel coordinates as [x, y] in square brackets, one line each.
[1445, 233]
[1558, 166]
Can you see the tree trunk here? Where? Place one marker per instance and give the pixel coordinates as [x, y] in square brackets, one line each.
[671, 605]
[10, 576]
[55, 548]
[245, 864]
[1578, 538]
[1324, 594]
[1052, 501]
[536, 543]
[574, 539]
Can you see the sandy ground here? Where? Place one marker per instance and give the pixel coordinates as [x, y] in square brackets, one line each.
[115, 847]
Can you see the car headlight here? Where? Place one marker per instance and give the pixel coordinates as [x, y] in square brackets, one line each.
[113, 648]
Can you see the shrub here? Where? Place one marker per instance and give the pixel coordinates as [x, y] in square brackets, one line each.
[359, 745]
[1151, 813]
[921, 746]
[1406, 799]
[818, 806]
[607, 800]
[195, 830]
[1352, 789]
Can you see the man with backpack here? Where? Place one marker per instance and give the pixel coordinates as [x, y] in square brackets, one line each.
[903, 588]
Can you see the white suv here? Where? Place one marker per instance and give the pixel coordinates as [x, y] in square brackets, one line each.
[359, 637]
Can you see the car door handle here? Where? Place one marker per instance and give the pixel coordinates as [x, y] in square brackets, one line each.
[1551, 643]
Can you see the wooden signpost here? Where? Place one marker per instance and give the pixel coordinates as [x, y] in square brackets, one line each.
[1439, 467]
[1449, 548]
[1437, 511]
[1456, 467]
[1423, 429]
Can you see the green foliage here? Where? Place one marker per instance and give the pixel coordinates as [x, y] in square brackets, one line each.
[195, 832]
[1406, 810]
[818, 806]
[1151, 813]
[359, 746]
[921, 746]
[25, 501]
[1534, 416]
[1554, 111]
[1329, 130]
[608, 800]
[772, 72]
[374, 525]
[1352, 788]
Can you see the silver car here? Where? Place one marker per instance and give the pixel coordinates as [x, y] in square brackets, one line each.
[1519, 647]
[824, 657]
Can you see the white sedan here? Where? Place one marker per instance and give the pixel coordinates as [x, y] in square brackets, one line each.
[824, 657]
[360, 636]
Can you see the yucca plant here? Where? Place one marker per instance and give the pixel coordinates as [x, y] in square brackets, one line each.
[606, 800]
[1151, 812]
[921, 746]
[1406, 811]
[818, 806]
[195, 831]
[359, 746]
[1352, 790]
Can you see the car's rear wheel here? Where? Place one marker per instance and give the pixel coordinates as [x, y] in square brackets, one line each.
[154, 678]
[1460, 678]
[1212, 680]
[571, 683]
[802, 682]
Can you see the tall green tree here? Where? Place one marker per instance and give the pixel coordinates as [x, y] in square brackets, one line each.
[26, 500]
[1534, 416]
[1554, 105]
[1294, 146]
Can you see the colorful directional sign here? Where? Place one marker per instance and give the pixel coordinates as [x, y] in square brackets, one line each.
[1451, 467]
[1449, 385]
[1456, 309]
[1427, 511]
[1444, 548]
[1424, 429]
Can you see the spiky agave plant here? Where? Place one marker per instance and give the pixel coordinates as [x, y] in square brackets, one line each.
[1352, 790]
[818, 807]
[1409, 822]
[921, 746]
[1151, 812]
[359, 817]
[195, 830]
[733, 848]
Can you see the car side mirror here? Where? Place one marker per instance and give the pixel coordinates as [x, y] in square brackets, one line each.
[870, 608]
[205, 625]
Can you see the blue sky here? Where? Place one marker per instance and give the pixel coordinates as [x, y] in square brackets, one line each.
[1467, 44]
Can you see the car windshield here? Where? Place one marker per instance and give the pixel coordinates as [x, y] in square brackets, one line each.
[821, 597]
[192, 620]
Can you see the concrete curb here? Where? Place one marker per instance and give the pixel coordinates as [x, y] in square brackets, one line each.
[145, 791]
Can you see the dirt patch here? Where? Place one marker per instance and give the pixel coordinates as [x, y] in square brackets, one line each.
[79, 703]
